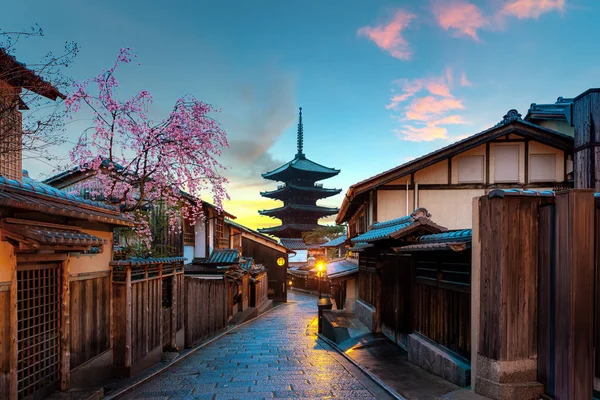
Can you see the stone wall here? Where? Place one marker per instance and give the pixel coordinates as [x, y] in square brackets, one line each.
[366, 314]
[436, 360]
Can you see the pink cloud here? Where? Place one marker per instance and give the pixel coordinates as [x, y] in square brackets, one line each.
[438, 86]
[464, 81]
[429, 131]
[389, 37]
[428, 107]
[523, 9]
[460, 16]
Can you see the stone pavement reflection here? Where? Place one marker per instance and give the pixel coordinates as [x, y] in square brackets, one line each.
[275, 356]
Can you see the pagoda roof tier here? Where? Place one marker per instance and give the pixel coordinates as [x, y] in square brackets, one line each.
[291, 190]
[289, 230]
[301, 168]
[305, 209]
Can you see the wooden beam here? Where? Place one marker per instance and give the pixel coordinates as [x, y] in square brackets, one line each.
[11, 263]
[487, 163]
[526, 162]
[20, 221]
[33, 258]
[375, 219]
[450, 171]
[65, 327]
[469, 186]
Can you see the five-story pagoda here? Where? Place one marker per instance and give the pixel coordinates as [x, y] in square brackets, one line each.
[299, 194]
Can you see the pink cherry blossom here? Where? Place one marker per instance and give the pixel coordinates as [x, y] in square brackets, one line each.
[136, 161]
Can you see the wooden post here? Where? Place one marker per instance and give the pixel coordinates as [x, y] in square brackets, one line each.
[146, 291]
[128, 322]
[174, 306]
[65, 329]
[574, 351]
[13, 321]
[160, 315]
[586, 121]
[507, 350]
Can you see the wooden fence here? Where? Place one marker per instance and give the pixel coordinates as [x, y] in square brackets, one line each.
[537, 294]
[259, 287]
[146, 309]
[206, 305]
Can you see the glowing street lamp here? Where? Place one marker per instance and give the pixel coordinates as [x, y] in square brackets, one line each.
[320, 269]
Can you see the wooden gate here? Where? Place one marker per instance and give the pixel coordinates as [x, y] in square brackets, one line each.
[396, 283]
[38, 313]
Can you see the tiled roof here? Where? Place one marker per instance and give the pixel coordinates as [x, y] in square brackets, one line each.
[293, 243]
[35, 196]
[301, 207]
[561, 109]
[290, 227]
[246, 263]
[224, 257]
[301, 164]
[17, 74]
[149, 261]
[456, 240]
[49, 235]
[360, 246]
[392, 228]
[335, 242]
[319, 191]
[520, 192]
[342, 267]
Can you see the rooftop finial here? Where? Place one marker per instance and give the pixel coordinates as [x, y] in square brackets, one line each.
[300, 134]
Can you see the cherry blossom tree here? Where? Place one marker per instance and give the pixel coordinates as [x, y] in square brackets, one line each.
[137, 161]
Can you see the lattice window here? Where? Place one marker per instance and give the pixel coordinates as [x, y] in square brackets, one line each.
[10, 135]
[221, 241]
[189, 238]
[38, 329]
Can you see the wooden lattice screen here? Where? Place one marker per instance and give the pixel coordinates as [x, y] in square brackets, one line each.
[38, 328]
[10, 136]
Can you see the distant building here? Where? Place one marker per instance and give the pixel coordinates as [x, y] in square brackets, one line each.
[299, 194]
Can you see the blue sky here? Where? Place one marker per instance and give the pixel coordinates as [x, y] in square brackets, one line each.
[380, 82]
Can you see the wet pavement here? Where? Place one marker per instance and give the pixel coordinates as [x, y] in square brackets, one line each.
[276, 356]
[389, 362]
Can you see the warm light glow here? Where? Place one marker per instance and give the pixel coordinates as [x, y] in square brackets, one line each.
[320, 266]
[290, 283]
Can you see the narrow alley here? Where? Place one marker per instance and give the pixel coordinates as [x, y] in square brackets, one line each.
[275, 356]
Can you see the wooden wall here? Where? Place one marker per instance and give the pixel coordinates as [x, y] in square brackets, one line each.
[508, 319]
[366, 278]
[442, 299]
[206, 311]
[4, 340]
[90, 316]
[396, 291]
[268, 256]
[259, 290]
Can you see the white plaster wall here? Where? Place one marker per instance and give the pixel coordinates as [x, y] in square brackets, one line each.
[188, 253]
[392, 204]
[200, 239]
[80, 263]
[435, 174]
[477, 151]
[450, 208]
[559, 126]
[539, 148]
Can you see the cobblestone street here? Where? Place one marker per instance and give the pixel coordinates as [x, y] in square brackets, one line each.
[276, 356]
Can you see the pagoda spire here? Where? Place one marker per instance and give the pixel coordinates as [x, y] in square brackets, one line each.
[300, 134]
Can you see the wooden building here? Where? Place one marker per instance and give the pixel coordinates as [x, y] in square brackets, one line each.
[193, 240]
[55, 290]
[515, 153]
[299, 193]
[265, 251]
